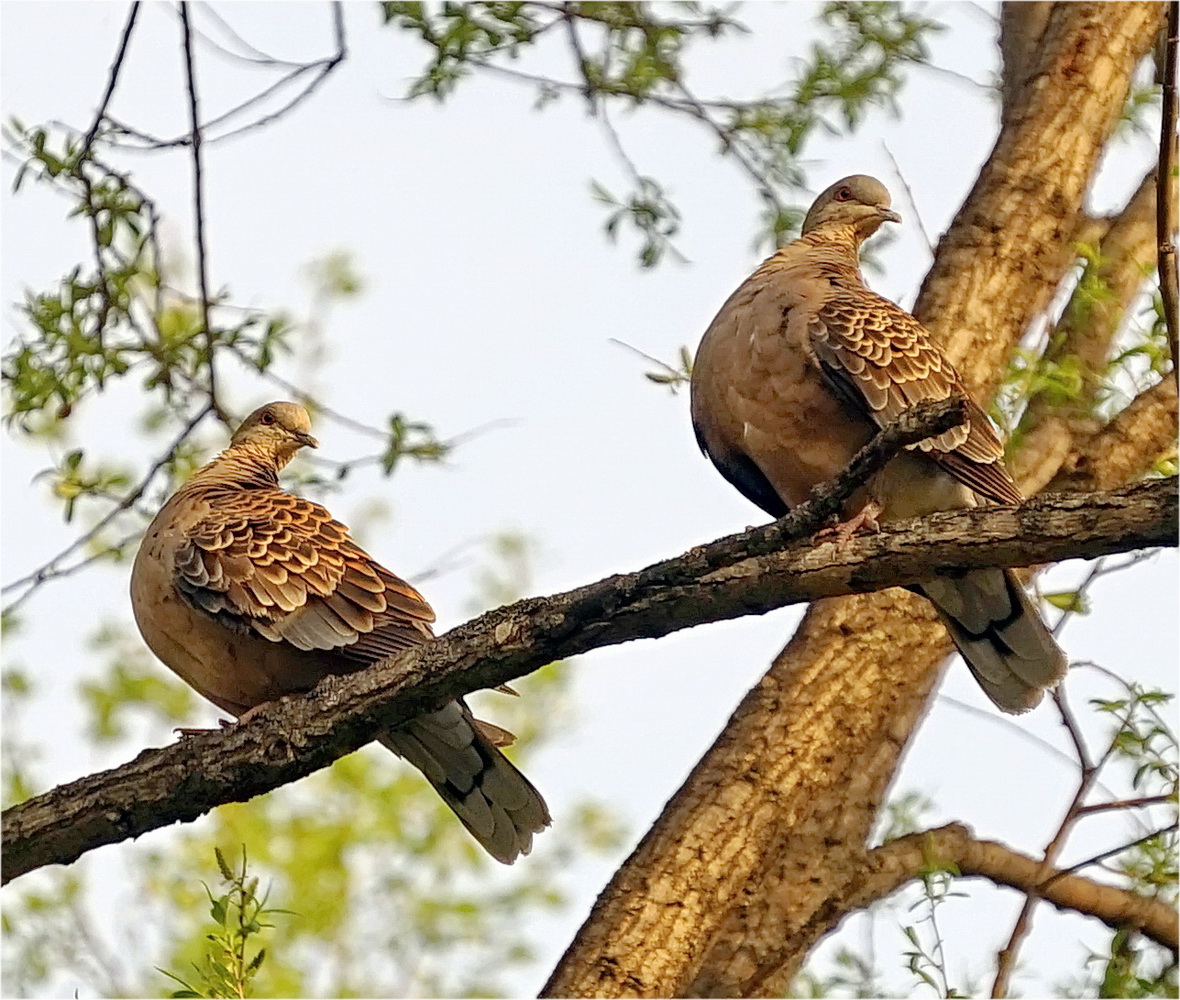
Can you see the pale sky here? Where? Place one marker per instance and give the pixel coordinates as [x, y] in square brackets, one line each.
[492, 296]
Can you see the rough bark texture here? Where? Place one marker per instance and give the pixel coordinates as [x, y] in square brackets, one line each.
[1021, 28]
[891, 866]
[736, 576]
[1126, 447]
[770, 828]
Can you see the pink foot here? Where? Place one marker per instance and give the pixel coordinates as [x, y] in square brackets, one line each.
[865, 519]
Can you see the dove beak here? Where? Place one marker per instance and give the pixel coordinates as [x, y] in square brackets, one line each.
[306, 439]
[888, 215]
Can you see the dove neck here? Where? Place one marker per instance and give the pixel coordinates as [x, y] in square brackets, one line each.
[242, 465]
[836, 237]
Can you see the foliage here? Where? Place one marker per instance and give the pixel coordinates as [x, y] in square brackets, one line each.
[227, 969]
[637, 55]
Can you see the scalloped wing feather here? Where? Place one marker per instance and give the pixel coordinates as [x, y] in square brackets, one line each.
[879, 357]
[279, 565]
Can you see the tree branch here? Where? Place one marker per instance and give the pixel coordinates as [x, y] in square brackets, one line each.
[112, 82]
[954, 844]
[751, 573]
[1126, 447]
[1166, 197]
[953, 847]
[1089, 324]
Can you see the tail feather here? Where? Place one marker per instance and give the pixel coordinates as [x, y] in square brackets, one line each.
[1002, 638]
[497, 804]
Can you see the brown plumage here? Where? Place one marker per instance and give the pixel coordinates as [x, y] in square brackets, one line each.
[250, 593]
[797, 371]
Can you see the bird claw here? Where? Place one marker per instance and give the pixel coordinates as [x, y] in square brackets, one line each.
[865, 519]
[184, 732]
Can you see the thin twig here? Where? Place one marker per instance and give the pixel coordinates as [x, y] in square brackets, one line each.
[909, 194]
[575, 40]
[199, 207]
[1006, 959]
[1016, 729]
[1165, 201]
[1142, 803]
[1072, 728]
[254, 55]
[321, 68]
[50, 569]
[112, 80]
[731, 145]
[1171, 828]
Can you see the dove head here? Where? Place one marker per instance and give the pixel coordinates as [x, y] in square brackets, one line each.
[278, 430]
[859, 201]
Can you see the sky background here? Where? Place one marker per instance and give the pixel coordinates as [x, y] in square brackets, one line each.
[492, 295]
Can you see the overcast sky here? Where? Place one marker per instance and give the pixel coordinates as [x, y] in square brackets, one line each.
[492, 295]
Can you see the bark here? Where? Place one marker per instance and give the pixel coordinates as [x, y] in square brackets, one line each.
[1125, 448]
[1021, 27]
[1002, 259]
[745, 574]
[1086, 331]
[808, 755]
[1166, 170]
[953, 848]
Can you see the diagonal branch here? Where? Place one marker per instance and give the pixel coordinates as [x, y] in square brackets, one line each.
[751, 573]
[112, 82]
[899, 861]
[888, 868]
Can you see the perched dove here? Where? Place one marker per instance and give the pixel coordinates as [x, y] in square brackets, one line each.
[250, 593]
[803, 364]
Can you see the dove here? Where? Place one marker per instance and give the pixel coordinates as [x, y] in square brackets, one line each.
[803, 364]
[249, 593]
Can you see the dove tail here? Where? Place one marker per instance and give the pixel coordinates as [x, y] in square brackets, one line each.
[458, 755]
[1004, 641]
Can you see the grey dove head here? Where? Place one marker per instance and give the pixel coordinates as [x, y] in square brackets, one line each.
[859, 201]
[279, 429]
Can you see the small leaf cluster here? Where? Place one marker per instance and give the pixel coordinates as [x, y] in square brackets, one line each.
[1143, 739]
[650, 211]
[228, 968]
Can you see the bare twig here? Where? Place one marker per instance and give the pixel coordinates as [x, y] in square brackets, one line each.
[909, 194]
[1017, 730]
[1166, 180]
[52, 568]
[319, 69]
[1159, 832]
[199, 209]
[1006, 959]
[112, 81]
[1141, 803]
[253, 55]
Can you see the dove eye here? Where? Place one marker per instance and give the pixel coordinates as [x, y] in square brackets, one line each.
[267, 418]
[843, 195]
